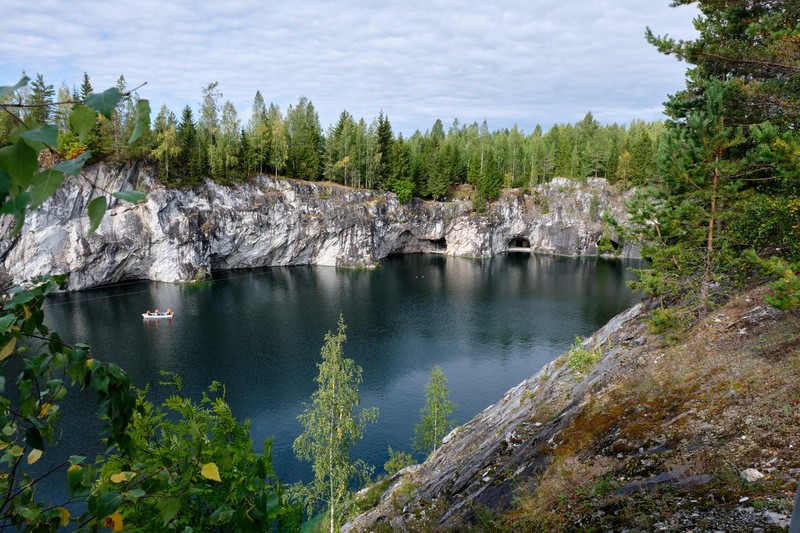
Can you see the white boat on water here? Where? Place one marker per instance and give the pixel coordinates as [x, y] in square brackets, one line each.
[159, 315]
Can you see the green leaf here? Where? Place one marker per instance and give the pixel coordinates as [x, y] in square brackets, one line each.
[33, 438]
[105, 102]
[47, 134]
[45, 185]
[73, 166]
[8, 89]
[105, 504]
[142, 120]
[222, 515]
[96, 209]
[169, 507]
[135, 494]
[6, 322]
[16, 204]
[5, 184]
[82, 120]
[20, 161]
[134, 197]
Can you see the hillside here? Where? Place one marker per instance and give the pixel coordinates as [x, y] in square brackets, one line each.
[698, 432]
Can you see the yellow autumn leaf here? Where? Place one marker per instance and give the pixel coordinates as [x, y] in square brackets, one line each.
[114, 521]
[16, 451]
[8, 349]
[45, 408]
[34, 456]
[210, 471]
[64, 516]
[73, 468]
[89, 361]
[122, 477]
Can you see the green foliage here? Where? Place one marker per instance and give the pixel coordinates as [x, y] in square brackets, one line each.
[594, 207]
[29, 418]
[434, 422]
[728, 162]
[404, 189]
[786, 287]
[669, 321]
[192, 465]
[398, 460]
[605, 246]
[582, 360]
[332, 423]
[20, 189]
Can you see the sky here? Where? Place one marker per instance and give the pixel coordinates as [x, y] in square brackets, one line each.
[522, 62]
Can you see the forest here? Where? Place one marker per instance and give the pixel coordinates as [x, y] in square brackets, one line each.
[219, 144]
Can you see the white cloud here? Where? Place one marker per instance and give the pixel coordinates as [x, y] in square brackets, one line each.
[523, 62]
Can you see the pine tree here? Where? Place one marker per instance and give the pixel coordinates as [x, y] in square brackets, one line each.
[434, 422]
[332, 423]
[726, 153]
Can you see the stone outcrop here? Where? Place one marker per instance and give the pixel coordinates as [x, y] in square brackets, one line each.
[655, 437]
[511, 439]
[180, 235]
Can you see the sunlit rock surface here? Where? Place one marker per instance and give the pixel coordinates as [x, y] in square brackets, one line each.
[181, 235]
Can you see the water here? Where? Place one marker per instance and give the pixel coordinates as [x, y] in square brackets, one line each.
[488, 323]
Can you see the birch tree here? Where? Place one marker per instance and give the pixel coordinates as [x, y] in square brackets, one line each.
[332, 423]
[434, 421]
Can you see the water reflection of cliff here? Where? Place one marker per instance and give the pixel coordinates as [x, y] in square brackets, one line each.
[489, 323]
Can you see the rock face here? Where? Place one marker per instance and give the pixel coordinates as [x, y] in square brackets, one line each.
[509, 439]
[179, 235]
[647, 440]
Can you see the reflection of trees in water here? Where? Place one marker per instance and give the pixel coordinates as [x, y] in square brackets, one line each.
[260, 331]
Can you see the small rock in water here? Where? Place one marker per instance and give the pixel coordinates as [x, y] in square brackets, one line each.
[751, 474]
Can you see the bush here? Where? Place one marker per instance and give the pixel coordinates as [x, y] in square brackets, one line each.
[398, 460]
[582, 360]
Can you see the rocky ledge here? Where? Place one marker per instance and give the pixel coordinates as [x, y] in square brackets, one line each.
[181, 235]
[632, 431]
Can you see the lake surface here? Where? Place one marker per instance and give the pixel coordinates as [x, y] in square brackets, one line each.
[489, 323]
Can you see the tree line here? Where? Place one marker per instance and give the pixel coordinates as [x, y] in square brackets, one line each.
[219, 144]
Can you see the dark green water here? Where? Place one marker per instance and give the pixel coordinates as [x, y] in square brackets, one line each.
[488, 323]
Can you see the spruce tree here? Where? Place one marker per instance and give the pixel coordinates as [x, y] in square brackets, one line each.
[41, 96]
[86, 86]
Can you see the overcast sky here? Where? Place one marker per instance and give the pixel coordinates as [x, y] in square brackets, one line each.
[509, 62]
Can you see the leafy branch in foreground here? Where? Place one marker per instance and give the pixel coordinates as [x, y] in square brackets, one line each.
[192, 465]
[24, 186]
[29, 424]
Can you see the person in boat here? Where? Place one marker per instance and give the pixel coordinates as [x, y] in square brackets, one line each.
[157, 312]
[148, 313]
[169, 311]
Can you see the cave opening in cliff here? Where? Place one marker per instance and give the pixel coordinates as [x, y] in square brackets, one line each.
[437, 245]
[519, 244]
